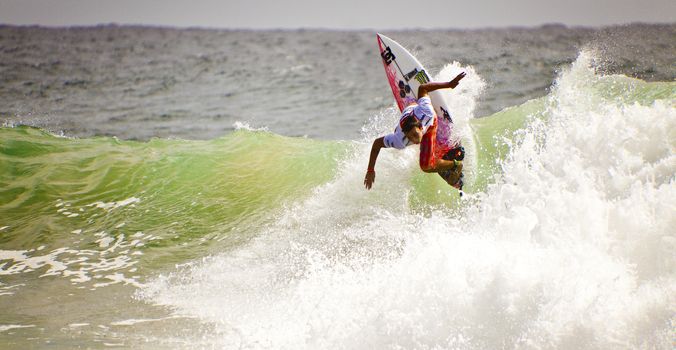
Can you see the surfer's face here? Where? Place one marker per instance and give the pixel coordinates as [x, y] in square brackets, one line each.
[415, 135]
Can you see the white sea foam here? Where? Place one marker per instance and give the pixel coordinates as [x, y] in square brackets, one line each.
[9, 289]
[238, 125]
[135, 321]
[7, 327]
[78, 325]
[115, 205]
[105, 267]
[572, 248]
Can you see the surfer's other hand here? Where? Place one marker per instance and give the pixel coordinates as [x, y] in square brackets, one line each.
[456, 80]
[369, 179]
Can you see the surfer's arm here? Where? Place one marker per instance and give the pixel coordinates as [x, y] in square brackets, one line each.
[426, 88]
[370, 177]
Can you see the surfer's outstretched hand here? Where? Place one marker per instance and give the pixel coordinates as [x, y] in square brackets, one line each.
[456, 80]
[369, 179]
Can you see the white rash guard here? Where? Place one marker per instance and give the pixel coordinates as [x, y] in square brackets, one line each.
[423, 111]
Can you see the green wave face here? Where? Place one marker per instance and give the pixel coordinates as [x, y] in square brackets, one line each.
[85, 222]
[61, 192]
[178, 191]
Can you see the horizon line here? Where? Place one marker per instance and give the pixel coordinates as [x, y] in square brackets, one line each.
[311, 28]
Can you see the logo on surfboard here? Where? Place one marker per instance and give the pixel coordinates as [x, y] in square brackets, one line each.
[404, 89]
[446, 115]
[387, 56]
[419, 75]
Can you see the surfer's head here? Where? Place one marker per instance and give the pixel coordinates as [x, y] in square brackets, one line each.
[412, 128]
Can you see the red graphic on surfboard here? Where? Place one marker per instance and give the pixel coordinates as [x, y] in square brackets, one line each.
[401, 90]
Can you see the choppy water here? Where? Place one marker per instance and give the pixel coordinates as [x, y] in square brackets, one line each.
[255, 238]
[138, 83]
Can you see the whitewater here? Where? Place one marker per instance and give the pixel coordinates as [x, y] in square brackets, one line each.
[564, 238]
[572, 247]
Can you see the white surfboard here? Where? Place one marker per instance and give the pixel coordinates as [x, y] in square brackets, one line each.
[405, 74]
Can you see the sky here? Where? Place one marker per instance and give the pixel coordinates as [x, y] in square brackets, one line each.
[336, 14]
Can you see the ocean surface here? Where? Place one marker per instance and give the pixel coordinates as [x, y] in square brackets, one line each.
[203, 189]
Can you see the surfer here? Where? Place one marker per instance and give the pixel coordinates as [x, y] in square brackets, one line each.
[418, 125]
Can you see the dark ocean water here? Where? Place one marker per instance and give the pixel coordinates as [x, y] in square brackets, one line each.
[138, 83]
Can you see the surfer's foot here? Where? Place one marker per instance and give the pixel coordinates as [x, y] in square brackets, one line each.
[458, 185]
[453, 179]
[455, 174]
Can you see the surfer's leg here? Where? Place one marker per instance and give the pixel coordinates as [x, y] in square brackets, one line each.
[454, 176]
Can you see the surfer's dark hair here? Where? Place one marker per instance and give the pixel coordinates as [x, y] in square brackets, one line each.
[409, 122]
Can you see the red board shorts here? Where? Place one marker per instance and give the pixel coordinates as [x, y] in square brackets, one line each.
[430, 151]
[427, 147]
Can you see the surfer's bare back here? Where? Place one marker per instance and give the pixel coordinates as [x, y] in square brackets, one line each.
[418, 125]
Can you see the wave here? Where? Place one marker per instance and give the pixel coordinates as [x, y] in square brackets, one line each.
[149, 203]
[568, 244]
[563, 240]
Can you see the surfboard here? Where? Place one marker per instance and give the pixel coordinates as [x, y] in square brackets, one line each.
[405, 74]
